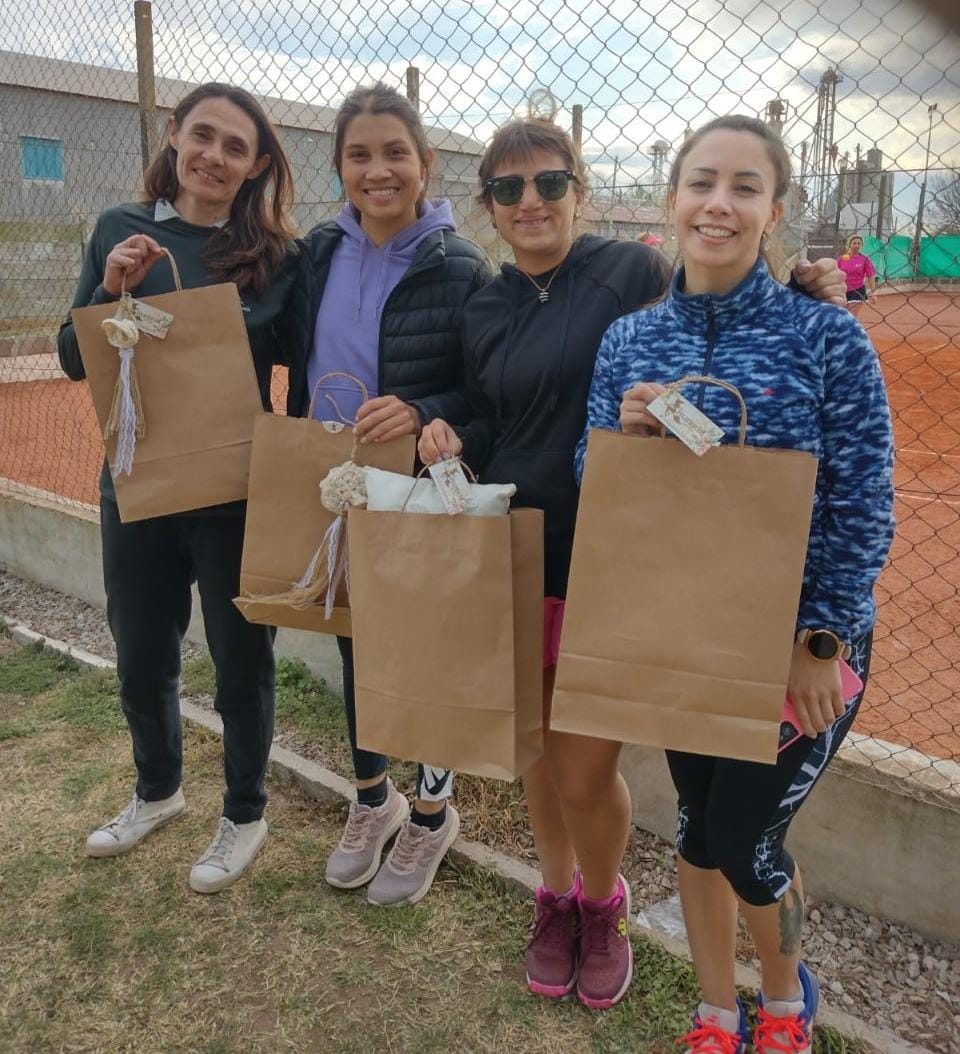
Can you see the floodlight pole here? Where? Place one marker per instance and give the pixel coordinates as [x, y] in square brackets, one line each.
[915, 252]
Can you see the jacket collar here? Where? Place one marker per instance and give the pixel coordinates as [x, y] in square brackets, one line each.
[753, 296]
[321, 242]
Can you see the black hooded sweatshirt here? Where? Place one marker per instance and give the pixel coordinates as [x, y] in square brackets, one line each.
[528, 371]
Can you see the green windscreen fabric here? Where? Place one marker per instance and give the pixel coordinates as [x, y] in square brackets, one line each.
[899, 264]
[940, 256]
[875, 248]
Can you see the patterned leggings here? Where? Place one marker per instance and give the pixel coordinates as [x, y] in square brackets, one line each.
[734, 815]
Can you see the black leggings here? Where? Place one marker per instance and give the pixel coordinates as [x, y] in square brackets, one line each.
[148, 568]
[734, 815]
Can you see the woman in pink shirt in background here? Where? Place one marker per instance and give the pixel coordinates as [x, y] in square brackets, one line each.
[858, 270]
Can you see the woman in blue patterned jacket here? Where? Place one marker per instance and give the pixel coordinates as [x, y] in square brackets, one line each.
[811, 381]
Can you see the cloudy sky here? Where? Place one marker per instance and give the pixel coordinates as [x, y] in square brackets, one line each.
[648, 72]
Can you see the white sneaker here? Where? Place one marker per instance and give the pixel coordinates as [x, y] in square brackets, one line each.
[232, 851]
[137, 820]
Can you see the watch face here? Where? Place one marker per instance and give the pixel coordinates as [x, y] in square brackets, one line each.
[823, 645]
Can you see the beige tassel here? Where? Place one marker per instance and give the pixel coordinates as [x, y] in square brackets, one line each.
[126, 409]
[341, 489]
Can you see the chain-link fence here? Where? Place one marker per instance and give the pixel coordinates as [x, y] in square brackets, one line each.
[866, 93]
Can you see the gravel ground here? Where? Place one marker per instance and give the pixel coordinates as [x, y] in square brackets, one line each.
[884, 973]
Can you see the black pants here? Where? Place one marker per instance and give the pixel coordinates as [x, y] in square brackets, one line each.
[148, 568]
[734, 815]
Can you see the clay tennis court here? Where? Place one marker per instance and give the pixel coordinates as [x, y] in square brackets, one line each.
[49, 440]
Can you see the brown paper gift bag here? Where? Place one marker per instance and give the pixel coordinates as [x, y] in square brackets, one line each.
[448, 638]
[199, 399]
[286, 519]
[683, 594]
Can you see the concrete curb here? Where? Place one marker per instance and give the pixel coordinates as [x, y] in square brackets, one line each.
[661, 922]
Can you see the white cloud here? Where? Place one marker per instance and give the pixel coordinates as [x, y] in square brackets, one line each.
[640, 70]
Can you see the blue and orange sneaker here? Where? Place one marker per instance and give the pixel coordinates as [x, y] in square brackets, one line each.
[709, 1037]
[793, 1034]
[551, 956]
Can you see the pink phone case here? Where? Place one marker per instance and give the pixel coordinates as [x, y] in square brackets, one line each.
[850, 685]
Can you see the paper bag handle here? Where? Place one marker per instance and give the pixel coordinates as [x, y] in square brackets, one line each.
[173, 267]
[330, 398]
[426, 468]
[695, 378]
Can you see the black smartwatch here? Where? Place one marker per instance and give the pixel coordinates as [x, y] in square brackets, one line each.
[823, 644]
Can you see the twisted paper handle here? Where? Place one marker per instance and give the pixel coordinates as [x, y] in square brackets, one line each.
[698, 378]
[426, 468]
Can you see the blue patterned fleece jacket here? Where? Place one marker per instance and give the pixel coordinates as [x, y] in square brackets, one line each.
[811, 381]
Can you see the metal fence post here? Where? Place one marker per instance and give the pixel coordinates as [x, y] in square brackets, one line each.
[578, 128]
[413, 86]
[146, 89]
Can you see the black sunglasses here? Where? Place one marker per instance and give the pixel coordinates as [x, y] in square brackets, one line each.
[508, 190]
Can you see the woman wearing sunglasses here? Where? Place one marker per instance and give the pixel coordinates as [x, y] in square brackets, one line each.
[530, 342]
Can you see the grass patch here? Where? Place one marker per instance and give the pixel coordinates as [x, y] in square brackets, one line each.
[33, 669]
[198, 676]
[90, 702]
[305, 701]
[17, 730]
[77, 785]
[278, 963]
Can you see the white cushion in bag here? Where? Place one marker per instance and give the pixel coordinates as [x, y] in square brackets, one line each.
[387, 491]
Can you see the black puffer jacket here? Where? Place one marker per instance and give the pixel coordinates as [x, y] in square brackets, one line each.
[420, 354]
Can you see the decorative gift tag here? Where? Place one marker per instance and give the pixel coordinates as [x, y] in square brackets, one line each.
[688, 424]
[150, 319]
[453, 485]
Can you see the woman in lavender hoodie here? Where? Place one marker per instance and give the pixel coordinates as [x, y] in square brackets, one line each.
[388, 279]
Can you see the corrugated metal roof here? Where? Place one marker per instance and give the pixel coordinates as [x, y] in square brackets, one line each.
[101, 82]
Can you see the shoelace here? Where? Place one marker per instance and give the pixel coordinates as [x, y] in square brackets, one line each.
[767, 1035]
[552, 924]
[355, 834]
[219, 849]
[409, 846]
[709, 1039]
[596, 927]
[122, 819]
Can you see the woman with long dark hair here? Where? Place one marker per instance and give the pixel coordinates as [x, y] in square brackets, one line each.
[217, 197]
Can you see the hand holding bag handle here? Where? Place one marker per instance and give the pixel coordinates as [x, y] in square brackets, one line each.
[126, 410]
[696, 378]
[173, 267]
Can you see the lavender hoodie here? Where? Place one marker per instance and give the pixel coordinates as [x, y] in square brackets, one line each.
[346, 335]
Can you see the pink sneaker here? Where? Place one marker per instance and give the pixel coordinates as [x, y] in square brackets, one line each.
[551, 956]
[606, 959]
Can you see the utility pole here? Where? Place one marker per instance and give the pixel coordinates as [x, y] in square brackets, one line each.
[146, 88]
[915, 253]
